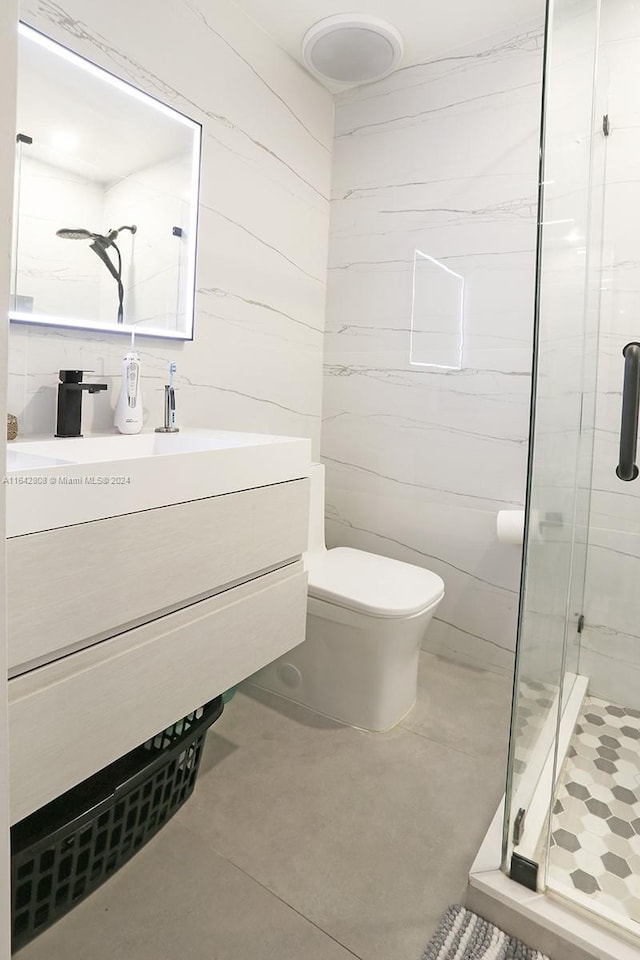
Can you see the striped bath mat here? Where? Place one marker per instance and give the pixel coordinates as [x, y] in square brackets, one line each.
[462, 935]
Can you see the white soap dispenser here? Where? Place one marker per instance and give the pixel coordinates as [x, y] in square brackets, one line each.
[128, 417]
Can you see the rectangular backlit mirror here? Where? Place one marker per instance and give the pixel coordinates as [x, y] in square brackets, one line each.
[107, 182]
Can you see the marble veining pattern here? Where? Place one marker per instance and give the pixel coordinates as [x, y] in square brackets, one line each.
[419, 460]
[256, 361]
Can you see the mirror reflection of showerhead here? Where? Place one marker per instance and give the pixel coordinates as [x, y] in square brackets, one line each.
[68, 234]
[99, 244]
[79, 233]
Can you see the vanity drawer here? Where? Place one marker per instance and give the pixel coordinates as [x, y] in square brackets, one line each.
[74, 716]
[73, 586]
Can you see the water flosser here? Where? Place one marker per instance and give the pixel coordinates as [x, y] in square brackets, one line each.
[128, 417]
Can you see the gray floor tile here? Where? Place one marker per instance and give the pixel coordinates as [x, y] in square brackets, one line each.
[306, 838]
[178, 900]
[462, 707]
[369, 835]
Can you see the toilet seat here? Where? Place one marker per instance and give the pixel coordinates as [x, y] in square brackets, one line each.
[370, 584]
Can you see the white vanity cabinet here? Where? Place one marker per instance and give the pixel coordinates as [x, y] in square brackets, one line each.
[120, 626]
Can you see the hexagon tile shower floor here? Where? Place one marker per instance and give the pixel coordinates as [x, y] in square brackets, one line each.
[595, 828]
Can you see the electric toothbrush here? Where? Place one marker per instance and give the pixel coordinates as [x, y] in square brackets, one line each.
[169, 405]
[172, 405]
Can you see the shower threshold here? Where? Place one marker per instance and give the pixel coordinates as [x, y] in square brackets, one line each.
[550, 923]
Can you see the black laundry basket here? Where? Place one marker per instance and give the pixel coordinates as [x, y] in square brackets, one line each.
[64, 851]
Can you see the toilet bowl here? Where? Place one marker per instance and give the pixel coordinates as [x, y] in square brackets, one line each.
[366, 619]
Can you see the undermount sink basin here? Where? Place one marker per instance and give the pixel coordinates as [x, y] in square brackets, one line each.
[60, 482]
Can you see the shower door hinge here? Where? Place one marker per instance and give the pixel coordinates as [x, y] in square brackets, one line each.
[524, 872]
[518, 826]
[606, 125]
[23, 138]
[581, 623]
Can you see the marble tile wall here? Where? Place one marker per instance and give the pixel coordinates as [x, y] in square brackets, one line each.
[611, 643]
[256, 362]
[440, 158]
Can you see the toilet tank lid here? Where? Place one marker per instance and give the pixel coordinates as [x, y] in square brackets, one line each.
[379, 586]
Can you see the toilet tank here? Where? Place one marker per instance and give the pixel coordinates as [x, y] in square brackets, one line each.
[316, 509]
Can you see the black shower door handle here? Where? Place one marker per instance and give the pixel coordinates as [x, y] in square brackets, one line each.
[627, 469]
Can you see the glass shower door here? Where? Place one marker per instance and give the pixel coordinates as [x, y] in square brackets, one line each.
[561, 441]
[594, 841]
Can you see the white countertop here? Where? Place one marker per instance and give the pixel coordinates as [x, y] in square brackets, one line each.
[53, 482]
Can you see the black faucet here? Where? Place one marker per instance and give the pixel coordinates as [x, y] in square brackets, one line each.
[70, 402]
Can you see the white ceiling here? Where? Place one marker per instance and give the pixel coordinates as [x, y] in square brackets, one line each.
[429, 27]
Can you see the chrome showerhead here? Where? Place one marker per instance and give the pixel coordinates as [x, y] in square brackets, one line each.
[68, 234]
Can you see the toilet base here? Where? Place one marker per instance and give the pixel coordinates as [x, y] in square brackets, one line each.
[361, 671]
[269, 689]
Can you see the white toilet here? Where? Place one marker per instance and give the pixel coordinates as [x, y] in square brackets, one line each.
[366, 619]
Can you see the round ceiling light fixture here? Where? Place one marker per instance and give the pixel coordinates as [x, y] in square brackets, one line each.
[352, 48]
